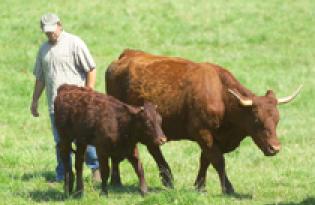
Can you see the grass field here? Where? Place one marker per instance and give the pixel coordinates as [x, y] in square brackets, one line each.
[265, 44]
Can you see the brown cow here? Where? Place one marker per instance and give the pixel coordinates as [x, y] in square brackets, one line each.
[201, 102]
[113, 127]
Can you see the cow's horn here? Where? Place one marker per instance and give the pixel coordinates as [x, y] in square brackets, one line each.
[291, 97]
[244, 102]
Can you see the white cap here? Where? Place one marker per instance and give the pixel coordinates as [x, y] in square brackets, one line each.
[49, 22]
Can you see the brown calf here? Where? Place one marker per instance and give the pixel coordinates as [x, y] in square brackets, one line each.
[113, 127]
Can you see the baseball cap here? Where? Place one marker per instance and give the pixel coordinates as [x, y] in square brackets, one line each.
[49, 22]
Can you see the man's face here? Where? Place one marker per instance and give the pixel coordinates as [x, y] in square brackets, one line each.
[53, 36]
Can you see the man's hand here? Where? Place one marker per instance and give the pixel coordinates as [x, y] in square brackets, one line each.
[34, 109]
[38, 89]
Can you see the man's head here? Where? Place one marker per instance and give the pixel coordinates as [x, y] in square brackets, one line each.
[51, 26]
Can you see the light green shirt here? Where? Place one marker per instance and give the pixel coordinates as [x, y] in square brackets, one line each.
[67, 61]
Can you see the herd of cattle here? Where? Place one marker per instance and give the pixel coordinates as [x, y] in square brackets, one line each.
[201, 102]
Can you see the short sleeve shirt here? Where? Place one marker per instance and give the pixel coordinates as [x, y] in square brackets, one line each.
[67, 61]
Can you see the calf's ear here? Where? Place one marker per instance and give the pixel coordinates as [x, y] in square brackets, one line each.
[150, 104]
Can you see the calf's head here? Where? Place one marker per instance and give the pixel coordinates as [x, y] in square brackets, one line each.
[149, 123]
[262, 117]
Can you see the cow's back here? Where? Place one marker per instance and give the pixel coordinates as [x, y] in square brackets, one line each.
[179, 87]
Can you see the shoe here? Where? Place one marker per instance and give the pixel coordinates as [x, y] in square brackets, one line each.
[96, 175]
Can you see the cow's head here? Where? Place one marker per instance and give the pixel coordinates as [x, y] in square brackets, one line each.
[262, 119]
[150, 123]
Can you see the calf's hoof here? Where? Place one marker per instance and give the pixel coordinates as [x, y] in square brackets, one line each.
[168, 183]
[104, 193]
[116, 183]
[78, 194]
[67, 192]
[167, 179]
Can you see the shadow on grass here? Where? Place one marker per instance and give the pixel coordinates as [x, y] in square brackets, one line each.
[240, 196]
[236, 196]
[129, 189]
[44, 196]
[307, 201]
[52, 194]
[48, 175]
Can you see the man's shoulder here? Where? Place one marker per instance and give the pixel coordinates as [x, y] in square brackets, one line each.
[72, 37]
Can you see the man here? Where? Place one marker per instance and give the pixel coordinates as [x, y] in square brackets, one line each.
[64, 58]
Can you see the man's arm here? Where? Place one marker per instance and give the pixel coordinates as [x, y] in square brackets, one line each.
[38, 90]
[91, 78]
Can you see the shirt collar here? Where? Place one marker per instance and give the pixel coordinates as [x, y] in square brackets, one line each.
[61, 36]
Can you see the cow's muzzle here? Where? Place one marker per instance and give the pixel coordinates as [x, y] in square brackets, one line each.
[272, 150]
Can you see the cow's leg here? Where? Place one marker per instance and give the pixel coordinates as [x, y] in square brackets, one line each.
[217, 160]
[79, 159]
[135, 161]
[103, 156]
[202, 173]
[214, 156]
[205, 141]
[65, 151]
[115, 174]
[211, 154]
[165, 171]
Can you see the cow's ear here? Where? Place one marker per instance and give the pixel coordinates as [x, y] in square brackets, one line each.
[133, 110]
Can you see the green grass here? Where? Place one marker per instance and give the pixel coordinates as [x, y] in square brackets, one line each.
[265, 44]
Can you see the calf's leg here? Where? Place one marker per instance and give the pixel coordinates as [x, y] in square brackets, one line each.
[115, 176]
[165, 171]
[65, 150]
[134, 160]
[103, 157]
[79, 159]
